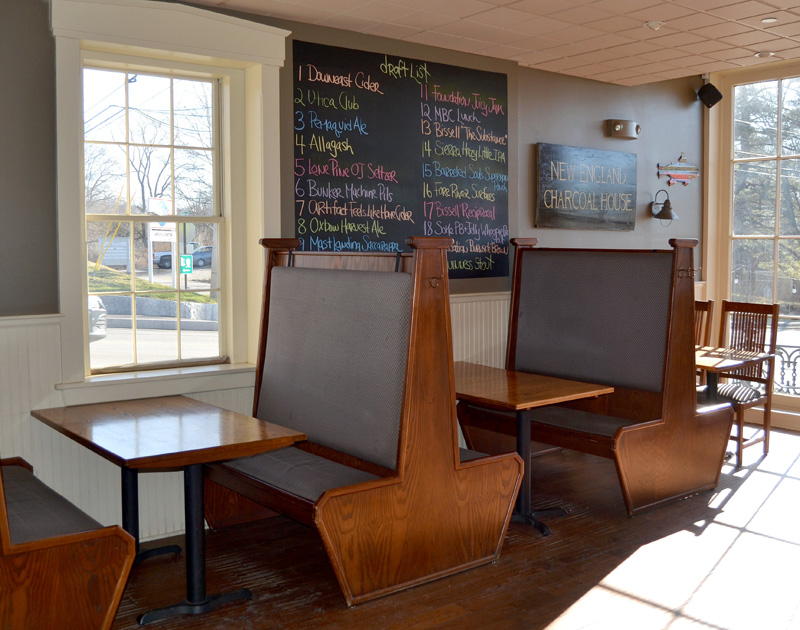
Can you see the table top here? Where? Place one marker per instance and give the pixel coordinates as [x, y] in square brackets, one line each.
[506, 390]
[727, 359]
[165, 432]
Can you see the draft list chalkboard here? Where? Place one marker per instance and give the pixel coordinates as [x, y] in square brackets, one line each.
[388, 147]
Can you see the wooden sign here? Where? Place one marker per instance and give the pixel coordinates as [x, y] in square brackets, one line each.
[387, 147]
[585, 189]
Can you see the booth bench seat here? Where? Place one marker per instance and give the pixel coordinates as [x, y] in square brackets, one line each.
[623, 318]
[59, 568]
[356, 353]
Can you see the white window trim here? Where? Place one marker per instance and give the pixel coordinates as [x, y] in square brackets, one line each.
[182, 34]
[718, 228]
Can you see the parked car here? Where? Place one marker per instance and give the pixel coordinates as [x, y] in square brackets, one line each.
[201, 257]
[97, 318]
[163, 259]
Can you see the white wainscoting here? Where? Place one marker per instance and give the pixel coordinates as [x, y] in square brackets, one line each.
[30, 369]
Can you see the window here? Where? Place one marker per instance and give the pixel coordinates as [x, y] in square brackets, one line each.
[150, 158]
[765, 209]
[199, 57]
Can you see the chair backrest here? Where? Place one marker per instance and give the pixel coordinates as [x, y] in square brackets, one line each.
[754, 328]
[703, 318]
[335, 359]
[600, 316]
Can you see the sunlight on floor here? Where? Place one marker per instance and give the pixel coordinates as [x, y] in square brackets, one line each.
[735, 572]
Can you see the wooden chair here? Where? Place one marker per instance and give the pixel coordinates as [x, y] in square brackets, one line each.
[703, 318]
[356, 352]
[751, 327]
[59, 568]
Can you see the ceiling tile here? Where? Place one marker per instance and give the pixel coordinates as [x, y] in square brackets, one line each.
[422, 20]
[501, 16]
[624, 7]
[741, 10]
[543, 7]
[707, 46]
[575, 34]
[748, 39]
[784, 17]
[786, 30]
[677, 39]
[726, 29]
[601, 39]
[582, 15]
[703, 5]
[381, 11]
[662, 12]
[392, 31]
[615, 24]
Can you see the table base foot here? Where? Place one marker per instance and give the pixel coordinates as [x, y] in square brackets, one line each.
[186, 608]
[532, 518]
[158, 551]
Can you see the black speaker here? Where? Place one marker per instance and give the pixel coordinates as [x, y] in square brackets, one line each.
[709, 95]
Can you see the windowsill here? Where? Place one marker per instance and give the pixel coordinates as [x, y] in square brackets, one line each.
[151, 383]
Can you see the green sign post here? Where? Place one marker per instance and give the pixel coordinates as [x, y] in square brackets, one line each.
[186, 263]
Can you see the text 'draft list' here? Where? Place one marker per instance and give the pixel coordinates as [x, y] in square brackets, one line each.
[387, 148]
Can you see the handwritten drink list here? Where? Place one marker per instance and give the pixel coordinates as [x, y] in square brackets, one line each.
[389, 147]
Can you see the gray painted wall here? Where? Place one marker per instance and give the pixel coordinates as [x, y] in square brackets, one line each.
[543, 107]
[28, 245]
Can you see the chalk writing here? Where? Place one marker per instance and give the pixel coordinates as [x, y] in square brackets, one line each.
[388, 147]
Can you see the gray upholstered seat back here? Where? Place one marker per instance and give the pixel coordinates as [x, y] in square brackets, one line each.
[597, 316]
[336, 358]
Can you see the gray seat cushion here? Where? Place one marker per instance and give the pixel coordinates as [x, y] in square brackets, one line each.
[36, 512]
[307, 475]
[299, 473]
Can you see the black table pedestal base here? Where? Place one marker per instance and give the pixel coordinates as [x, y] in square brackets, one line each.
[158, 551]
[186, 608]
[532, 518]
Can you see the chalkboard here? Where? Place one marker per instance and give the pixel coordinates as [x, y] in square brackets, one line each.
[387, 147]
[585, 189]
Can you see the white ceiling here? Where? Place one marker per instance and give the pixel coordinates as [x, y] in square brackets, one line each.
[605, 40]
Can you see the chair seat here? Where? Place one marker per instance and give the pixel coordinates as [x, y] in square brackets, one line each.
[35, 511]
[739, 393]
[300, 473]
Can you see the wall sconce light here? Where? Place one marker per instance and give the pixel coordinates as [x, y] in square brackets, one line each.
[662, 211]
[628, 129]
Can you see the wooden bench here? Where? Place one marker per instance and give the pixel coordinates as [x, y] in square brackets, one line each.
[356, 352]
[623, 318]
[59, 568]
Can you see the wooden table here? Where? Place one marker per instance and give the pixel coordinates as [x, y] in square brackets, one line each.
[519, 392]
[716, 361]
[169, 433]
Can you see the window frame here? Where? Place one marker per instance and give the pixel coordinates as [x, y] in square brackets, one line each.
[718, 228]
[252, 54]
[230, 84]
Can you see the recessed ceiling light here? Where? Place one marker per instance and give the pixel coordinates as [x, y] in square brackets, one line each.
[654, 25]
[769, 20]
[762, 55]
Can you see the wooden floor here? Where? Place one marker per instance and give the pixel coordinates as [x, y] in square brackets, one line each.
[724, 560]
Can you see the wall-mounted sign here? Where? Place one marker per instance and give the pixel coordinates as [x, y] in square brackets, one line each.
[186, 263]
[386, 148]
[585, 189]
[678, 172]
